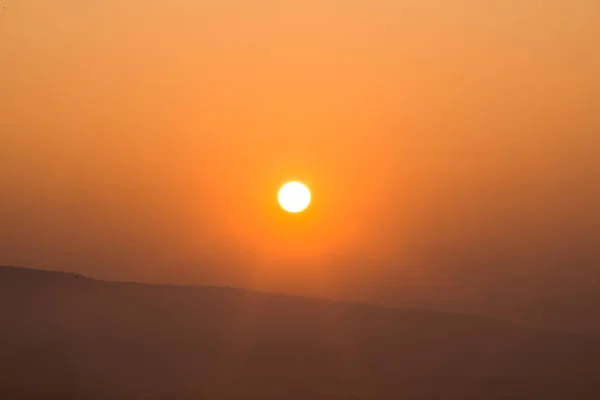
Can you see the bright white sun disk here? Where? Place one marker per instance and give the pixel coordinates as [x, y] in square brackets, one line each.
[294, 197]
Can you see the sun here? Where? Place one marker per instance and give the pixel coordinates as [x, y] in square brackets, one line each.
[294, 197]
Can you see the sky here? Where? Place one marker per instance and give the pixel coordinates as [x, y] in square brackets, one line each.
[452, 148]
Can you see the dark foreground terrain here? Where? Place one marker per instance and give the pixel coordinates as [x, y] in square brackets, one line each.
[69, 337]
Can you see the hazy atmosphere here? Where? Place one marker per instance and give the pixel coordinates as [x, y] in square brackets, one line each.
[452, 148]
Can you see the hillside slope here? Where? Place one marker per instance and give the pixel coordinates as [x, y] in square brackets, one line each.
[69, 337]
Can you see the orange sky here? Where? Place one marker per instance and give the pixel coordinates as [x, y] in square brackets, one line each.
[452, 142]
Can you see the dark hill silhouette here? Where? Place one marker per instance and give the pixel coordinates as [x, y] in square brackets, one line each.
[63, 336]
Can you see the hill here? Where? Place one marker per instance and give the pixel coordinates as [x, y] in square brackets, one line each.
[64, 336]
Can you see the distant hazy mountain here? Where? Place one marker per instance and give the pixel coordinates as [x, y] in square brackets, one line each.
[69, 337]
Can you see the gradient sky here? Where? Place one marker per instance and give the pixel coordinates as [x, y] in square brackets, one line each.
[451, 145]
